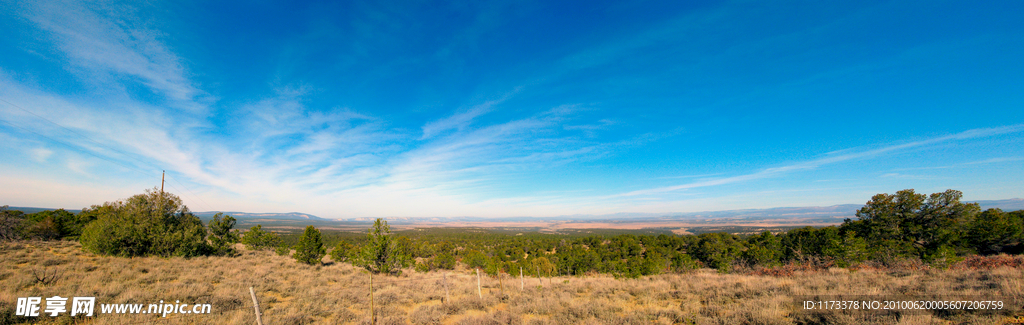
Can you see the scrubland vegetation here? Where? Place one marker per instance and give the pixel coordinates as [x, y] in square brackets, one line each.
[150, 247]
[338, 293]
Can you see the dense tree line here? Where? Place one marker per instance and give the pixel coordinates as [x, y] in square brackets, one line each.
[43, 225]
[936, 228]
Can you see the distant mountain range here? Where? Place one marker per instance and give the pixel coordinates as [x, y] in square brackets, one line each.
[28, 210]
[278, 216]
[835, 212]
[829, 212]
[1005, 205]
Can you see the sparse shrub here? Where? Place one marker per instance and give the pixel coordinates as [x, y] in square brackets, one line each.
[282, 250]
[392, 320]
[543, 266]
[297, 319]
[343, 251]
[426, 265]
[221, 236]
[467, 304]
[45, 229]
[427, 315]
[386, 298]
[498, 318]
[52, 262]
[290, 292]
[257, 239]
[444, 261]
[943, 258]
[990, 262]
[7, 314]
[475, 259]
[11, 223]
[382, 252]
[451, 308]
[152, 223]
[53, 224]
[310, 248]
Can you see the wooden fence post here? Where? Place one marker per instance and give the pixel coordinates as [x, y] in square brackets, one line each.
[256, 305]
[373, 316]
[501, 288]
[522, 284]
[446, 297]
[478, 292]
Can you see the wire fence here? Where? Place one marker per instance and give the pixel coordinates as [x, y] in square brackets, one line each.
[446, 279]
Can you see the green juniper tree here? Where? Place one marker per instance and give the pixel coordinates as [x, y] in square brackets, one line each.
[343, 252]
[718, 250]
[153, 223]
[221, 236]
[310, 248]
[258, 239]
[383, 253]
[993, 231]
[764, 249]
[908, 224]
[11, 223]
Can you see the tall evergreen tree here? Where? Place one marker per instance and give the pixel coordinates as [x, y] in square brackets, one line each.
[907, 223]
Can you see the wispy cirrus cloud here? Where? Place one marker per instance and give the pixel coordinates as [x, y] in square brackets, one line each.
[456, 122]
[41, 154]
[275, 150]
[833, 158]
[600, 122]
[490, 150]
[461, 120]
[997, 160]
[108, 41]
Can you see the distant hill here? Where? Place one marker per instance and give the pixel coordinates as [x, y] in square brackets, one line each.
[29, 210]
[827, 214]
[833, 213]
[772, 213]
[275, 216]
[1005, 205]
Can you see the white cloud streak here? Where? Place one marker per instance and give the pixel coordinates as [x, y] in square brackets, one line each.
[109, 40]
[837, 157]
[462, 120]
[276, 154]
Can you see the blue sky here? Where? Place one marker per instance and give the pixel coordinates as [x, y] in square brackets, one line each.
[422, 109]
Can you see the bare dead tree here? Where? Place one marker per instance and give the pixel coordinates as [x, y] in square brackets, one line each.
[47, 277]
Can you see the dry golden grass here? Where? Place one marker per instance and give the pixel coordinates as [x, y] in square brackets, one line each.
[291, 293]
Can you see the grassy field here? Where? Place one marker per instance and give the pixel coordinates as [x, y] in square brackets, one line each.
[337, 293]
